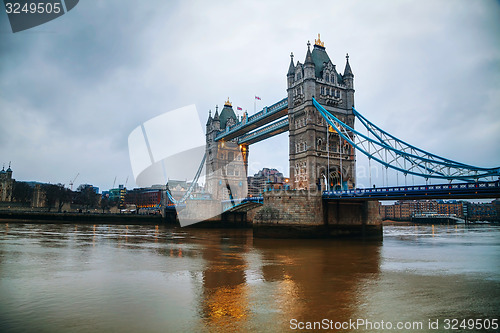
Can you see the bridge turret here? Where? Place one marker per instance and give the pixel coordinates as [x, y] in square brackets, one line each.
[216, 122]
[291, 71]
[349, 83]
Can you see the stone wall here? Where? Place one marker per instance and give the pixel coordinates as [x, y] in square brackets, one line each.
[303, 214]
[291, 207]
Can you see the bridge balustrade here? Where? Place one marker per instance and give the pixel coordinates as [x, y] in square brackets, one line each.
[488, 188]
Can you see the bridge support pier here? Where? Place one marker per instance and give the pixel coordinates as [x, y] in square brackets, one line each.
[304, 214]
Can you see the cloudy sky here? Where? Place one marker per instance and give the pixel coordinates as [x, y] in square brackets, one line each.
[73, 89]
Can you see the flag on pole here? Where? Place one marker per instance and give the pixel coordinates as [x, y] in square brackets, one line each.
[257, 97]
[239, 109]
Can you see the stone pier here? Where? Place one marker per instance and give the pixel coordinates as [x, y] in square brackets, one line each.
[303, 214]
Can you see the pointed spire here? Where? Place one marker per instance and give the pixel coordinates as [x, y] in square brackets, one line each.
[309, 59]
[291, 69]
[347, 70]
[216, 117]
[209, 120]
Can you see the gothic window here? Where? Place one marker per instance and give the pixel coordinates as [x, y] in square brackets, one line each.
[230, 156]
[328, 91]
[322, 90]
[327, 77]
[300, 89]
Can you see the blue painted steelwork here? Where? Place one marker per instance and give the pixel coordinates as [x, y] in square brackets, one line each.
[267, 112]
[191, 187]
[457, 190]
[243, 200]
[264, 132]
[403, 157]
[235, 203]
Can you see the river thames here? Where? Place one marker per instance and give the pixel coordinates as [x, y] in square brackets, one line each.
[147, 278]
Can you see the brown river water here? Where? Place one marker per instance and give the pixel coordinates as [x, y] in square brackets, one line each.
[147, 278]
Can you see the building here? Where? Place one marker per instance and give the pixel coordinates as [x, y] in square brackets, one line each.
[317, 153]
[149, 198]
[482, 211]
[264, 180]
[226, 161]
[117, 195]
[6, 184]
[403, 210]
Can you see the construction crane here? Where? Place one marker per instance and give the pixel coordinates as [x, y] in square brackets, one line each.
[114, 182]
[71, 182]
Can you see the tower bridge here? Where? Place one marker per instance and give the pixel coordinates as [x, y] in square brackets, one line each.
[319, 115]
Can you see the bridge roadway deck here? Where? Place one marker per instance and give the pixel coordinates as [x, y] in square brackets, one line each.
[261, 118]
[475, 190]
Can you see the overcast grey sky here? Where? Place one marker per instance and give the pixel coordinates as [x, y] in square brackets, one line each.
[73, 89]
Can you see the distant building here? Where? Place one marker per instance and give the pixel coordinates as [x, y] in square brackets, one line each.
[6, 184]
[118, 195]
[403, 210]
[482, 211]
[144, 197]
[264, 180]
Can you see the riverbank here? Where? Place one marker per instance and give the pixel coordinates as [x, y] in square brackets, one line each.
[91, 218]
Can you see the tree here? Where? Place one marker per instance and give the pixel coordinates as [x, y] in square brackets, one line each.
[22, 192]
[56, 193]
[104, 202]
[86, 196]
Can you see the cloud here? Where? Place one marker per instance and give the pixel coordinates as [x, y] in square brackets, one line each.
[73, 89]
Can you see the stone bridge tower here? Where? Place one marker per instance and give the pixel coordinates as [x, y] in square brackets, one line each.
[226, 161]
[310, 165]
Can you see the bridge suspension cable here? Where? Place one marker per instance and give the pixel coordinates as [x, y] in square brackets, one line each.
[396, 154]
[191, 187]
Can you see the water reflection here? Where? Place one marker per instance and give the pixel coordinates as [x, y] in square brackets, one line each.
[317, 279]
[155, 279]
[224, 297]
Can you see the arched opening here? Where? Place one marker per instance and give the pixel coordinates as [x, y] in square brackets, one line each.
[334, 180]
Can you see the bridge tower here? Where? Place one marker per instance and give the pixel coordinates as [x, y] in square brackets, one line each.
[310, 165]
[226, 161]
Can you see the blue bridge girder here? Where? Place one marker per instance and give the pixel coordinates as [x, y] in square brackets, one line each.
[267, 115]
[242, 204]
[266, 132]
[398, 155]
[441, 191]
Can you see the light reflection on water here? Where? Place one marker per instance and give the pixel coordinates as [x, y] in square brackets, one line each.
[83, 278]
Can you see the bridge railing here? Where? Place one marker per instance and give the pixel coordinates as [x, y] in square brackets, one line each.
[266, 111]
[492, 187]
